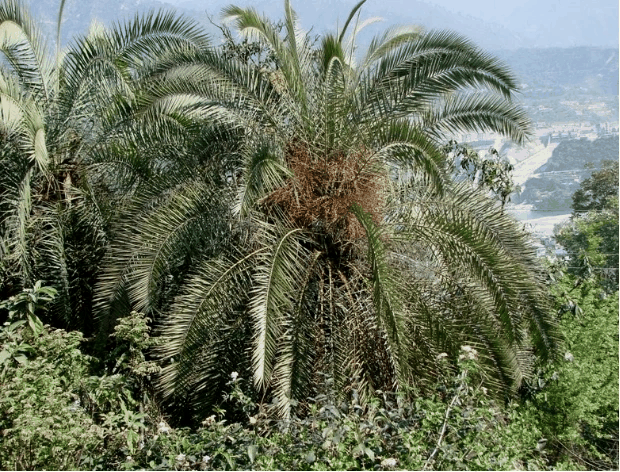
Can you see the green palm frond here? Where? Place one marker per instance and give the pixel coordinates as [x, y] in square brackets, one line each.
[296, 346]
[402, 144]
[466, 112]
[388, 307]
[23, 47]
[487, 258]
[153, 239]
[352, 14]
[264, 172]
[16, 229]
[207, 305]
[276, 278]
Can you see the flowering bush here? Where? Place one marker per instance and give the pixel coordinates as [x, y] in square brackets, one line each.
[459, 427]
[54, 413]
[42, 422]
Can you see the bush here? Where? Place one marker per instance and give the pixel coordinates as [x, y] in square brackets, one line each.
[43, 425]
[579, 399]
[460, 427]
[54, 414]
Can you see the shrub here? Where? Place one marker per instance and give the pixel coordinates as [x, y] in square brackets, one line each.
[579, 399]
[42, 422]
[460, 427]
[54, 414]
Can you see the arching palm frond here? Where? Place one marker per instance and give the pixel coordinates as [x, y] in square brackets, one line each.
[487, 268]
[25, 51]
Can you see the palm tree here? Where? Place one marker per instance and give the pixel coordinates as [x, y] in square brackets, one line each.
[60, 134]
[346, 252]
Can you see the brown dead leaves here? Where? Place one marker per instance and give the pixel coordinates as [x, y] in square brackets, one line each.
[323, 189]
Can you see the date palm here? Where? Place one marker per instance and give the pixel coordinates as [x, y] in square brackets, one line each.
[59, 132]
[347, 253]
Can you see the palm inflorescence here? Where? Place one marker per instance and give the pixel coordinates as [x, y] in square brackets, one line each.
[295, 219]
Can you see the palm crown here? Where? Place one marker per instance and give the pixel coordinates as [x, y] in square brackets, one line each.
[59, 134]
[334, 240]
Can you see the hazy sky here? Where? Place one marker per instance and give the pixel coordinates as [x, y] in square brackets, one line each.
[493, 10]
[539, 23]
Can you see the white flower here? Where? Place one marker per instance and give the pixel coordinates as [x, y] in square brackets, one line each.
[234, 376]
[569, 357]
[162, 427]
[180, 458]
[469, 353]
[209, 421]
[129, 459]
[206, 459]
[389, 462]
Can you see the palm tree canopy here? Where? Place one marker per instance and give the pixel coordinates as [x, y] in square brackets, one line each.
[349, 253]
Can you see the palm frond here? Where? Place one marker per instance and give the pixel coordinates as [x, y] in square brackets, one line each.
[276, 279]
[23, 46]
[264, 172]
[296, 346]
[467, 112]
[210, 298]
[489, 259]
[387, 304]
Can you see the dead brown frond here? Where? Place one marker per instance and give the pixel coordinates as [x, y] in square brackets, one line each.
[323, 189]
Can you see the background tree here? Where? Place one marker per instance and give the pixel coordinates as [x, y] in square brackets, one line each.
[598, 191]
[490, 172]
[591, 236]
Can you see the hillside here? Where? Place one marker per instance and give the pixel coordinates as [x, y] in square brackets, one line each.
[558, 71]
[79, 14]
[552, 184]
[525, 27]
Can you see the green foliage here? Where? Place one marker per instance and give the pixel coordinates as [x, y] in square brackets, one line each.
[591, 241]
[591, 237]
[43, 425]
[578, 403]
[491, 173]
[459, 427]
[57, 414]
[23, 305]
[132, 334]
[54, 413]
[285, 217]
[598, 191]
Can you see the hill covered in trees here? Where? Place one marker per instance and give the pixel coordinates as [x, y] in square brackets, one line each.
[572, 161]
